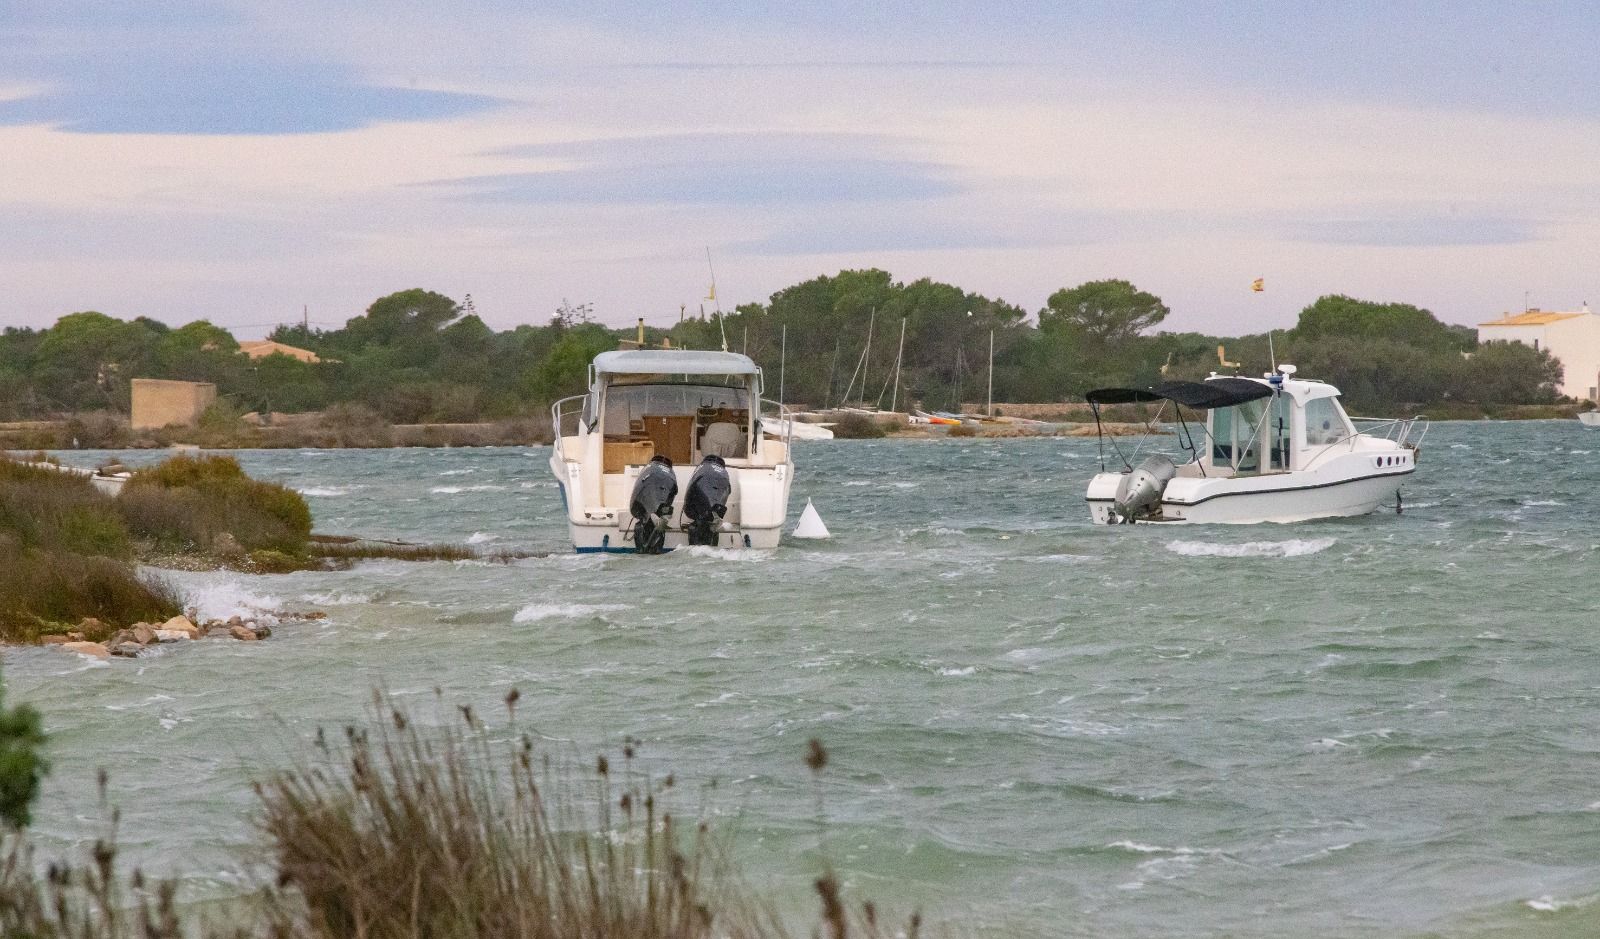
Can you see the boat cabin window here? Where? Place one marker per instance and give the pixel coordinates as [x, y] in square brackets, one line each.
[682, 422]
[1236, 436]
[1279, 426]
[1324, 423]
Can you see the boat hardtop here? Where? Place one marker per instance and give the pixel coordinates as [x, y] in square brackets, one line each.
[1275, 448]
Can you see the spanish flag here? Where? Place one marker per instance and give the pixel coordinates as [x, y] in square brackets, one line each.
[1259, 284]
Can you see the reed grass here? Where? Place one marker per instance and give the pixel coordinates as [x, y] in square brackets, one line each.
[453, 829]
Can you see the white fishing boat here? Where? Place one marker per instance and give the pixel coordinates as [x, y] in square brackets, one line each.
[1272, 449]
[657, 422]
[1589, 418]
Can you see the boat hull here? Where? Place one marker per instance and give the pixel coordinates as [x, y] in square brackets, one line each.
[1589, 418]
[1239, 505]
[757, 511]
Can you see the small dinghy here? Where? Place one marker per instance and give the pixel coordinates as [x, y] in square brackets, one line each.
[1273, 449]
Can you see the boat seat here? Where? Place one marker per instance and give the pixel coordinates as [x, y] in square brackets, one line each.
[722, 439]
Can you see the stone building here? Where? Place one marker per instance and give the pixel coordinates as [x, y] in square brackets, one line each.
[159, 403]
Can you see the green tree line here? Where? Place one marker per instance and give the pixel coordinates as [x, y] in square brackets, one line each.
[419, 356]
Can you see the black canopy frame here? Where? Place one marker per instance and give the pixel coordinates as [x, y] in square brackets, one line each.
[1196, 395]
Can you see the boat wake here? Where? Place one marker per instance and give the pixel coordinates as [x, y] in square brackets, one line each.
[1292, 548]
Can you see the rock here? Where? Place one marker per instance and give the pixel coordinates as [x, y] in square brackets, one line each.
[74, 636]
[244, 633]
[262, 630]
[144, 634]
[173, 635]
[218, 631]
[182, 624]
[118, 638]
[226, 545]
[127, 650]
[91, 649]
[91, 626]
[54, 639]
[234, 620]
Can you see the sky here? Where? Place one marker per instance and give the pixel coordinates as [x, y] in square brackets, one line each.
[253, 162]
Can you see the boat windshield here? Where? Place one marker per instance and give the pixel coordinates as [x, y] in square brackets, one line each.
[1236, 434]
[682, 422]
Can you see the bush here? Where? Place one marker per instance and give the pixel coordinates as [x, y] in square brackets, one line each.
[962, 430]
[857, 427]
[48, 591]
[44, 508]
[190, 501]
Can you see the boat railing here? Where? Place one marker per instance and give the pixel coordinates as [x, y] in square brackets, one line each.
[784, 415]
[566, 411]
[1400, 430]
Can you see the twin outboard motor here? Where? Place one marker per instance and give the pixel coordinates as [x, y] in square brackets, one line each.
[1139, 492]
[651, 506]
[707, 501]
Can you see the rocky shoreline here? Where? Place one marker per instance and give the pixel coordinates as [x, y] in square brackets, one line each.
[139, 638]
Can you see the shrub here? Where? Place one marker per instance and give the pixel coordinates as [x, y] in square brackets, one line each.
[50, 591]
[191, 501]
[354, 425]
[857, 427]
[961, 430]
[44, 508]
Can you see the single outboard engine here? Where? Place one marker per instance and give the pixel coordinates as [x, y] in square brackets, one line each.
[651, 505]
[1139, 492]
[707, 500]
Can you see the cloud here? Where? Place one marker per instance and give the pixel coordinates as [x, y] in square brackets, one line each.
[714, 170]
[188, 70]
[1415, 232]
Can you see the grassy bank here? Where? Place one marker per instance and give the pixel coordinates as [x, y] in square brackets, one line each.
[391, 831]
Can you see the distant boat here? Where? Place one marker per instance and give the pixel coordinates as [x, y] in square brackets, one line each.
[657, 422]
[799, 430]
[1274, 449]
[1589, 418]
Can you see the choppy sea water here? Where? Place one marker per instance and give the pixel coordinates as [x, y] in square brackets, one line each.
[1380, 726]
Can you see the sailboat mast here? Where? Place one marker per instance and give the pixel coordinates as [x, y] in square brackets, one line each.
[991, 375]
[866, 355]
[894, 397]
[783, 358]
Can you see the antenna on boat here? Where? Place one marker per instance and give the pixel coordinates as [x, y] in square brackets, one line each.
[1271, 353]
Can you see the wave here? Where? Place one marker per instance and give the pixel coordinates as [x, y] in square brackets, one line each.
[327, 492]
[481, 537]
[452, 490]
[722, 554]
[221, 599]
[1292, 548]
[534, 612]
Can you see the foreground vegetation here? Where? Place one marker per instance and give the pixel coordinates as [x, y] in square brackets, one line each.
[420, 358]
[395, 832]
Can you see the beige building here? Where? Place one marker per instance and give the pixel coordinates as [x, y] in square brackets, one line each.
[1572, 338]
[159, 403]
[261, 348]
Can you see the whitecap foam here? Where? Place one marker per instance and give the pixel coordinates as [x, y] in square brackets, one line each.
[1292, 548]
[534, 612]
[958, 672]
[327, 492]
[457, 472]
[452, 490]
[330, 598]
[481, 537]
[722, 554]
[1530, 503]
[221, 599]
[1549, 904]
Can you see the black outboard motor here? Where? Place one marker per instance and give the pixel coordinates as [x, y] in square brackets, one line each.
[707, 500]
[651, 505]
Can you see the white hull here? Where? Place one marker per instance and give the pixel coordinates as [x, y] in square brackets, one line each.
[1299, 502]
[1590, 418]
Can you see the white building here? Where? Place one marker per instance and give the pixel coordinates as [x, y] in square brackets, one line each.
[1572, 338]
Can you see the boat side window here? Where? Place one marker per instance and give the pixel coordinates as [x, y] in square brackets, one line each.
[1247, 430]
[1324, 423]
[1221, 431]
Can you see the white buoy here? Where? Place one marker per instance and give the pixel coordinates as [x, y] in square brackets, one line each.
[810, 525]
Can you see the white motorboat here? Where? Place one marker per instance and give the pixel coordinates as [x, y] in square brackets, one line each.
[657, 422]
[1589, 418]
[1272, 449]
